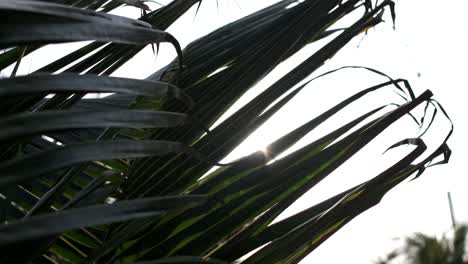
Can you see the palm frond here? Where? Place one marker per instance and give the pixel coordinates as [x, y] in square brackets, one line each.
[131, 177]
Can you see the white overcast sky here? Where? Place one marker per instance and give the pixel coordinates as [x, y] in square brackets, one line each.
[428, 48]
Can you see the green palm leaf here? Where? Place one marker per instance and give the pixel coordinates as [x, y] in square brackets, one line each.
[65, 158]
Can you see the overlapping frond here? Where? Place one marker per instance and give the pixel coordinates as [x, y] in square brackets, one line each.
[128, 177]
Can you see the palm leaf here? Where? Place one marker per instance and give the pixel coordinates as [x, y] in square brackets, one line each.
[146, 146]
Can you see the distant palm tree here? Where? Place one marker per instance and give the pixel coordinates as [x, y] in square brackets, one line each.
[424, 249]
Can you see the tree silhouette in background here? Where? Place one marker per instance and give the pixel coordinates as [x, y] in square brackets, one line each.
[424, 249]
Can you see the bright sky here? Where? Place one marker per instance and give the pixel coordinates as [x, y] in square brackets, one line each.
[428, 48]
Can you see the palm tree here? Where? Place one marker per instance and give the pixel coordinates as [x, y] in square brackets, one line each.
[127, 178]
[424, 249]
